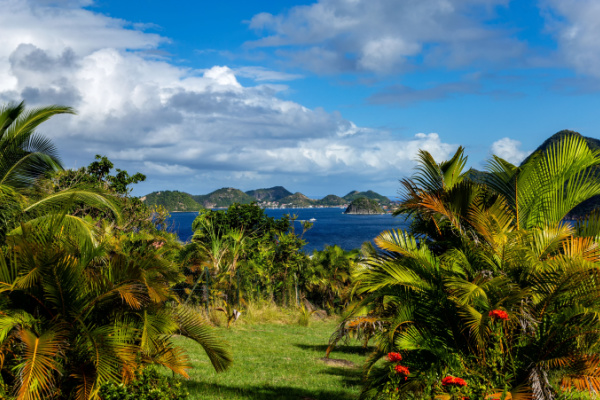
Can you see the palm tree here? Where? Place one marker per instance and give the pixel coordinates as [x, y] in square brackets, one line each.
[437, 198]
[508, 252]
[548, 185]
[330, 278]
[25, 157]
[74, 315]
[437, 313]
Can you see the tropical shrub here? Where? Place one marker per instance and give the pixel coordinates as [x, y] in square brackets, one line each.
[326, 280]
[241, 254]
[147, 385]
[84, 300]
[77, 315]
[492, 293]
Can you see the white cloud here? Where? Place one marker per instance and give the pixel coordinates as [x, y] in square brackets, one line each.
[510, 150]
[185, 128]
[574, 23]
[387, 36]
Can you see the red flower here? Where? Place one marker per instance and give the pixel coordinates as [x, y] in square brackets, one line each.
[453, 381]
[401, 370]
[394, 357]
[498, 314]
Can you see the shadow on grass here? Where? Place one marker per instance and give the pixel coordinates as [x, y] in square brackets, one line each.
[322, 348]
[350, 376]
[252, 392]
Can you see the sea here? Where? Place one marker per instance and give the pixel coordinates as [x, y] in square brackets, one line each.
[331, 226]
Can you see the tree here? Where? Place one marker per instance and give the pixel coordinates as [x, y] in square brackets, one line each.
[25, 157]
[24, 154]
[501, 292]
[74, 315]
[328, 280]
[247, 254]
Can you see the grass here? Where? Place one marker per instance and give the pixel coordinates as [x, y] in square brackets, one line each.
[278, 361]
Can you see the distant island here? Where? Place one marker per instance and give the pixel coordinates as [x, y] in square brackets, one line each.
[364, 206]
[275, 197]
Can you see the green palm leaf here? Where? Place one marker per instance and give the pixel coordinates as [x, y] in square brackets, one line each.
[194, 326]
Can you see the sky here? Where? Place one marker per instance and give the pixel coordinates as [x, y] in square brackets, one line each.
[322, 97]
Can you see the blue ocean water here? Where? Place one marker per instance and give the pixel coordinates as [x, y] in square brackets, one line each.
[331, 226]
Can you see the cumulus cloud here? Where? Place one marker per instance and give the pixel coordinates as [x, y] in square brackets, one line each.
[385, 36]
[187, 129]
[510, 150]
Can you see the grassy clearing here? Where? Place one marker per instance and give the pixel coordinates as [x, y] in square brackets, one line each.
[278, 361]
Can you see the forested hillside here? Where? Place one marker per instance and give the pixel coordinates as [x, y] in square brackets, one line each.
[172, 201]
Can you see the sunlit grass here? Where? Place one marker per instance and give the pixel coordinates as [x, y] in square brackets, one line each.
[278, 361]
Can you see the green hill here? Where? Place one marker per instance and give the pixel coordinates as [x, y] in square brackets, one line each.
[331, 201]
[223, 198]
[172, 201]
[297, 200]
[275, 193]
[363, 205]
[369, 194]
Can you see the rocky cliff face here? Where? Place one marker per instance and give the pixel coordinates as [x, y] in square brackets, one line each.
[364, 206]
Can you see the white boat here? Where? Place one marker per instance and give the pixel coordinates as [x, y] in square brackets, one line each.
[312, 220]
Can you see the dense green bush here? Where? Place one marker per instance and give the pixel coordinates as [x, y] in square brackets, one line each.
[490, 293]
[148, 385]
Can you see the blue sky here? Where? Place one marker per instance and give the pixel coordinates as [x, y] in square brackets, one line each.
[319, 96]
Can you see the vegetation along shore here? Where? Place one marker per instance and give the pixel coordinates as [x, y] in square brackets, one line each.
[489, 294]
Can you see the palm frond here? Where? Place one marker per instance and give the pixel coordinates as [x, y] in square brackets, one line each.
[40, 364]
[194, 326]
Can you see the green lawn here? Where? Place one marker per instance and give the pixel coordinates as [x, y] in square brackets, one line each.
[274, 361]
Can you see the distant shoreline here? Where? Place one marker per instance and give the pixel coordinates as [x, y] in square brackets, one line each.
[268, 208]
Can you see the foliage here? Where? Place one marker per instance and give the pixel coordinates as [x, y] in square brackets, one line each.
[271, 194]
[332, 200]
[241, 253]
[97, 178]
[305, 314]
[223, 197]
[147, 385]
[24, 154]
[327, 277]
[298, 200]
[369, 194]
[363, 205]
[85, 294]
[494, 289]
[76, 315]
[172, 201]
[25, 157]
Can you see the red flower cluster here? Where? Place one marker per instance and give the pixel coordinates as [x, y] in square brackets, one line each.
[401, 370]
[498, 314]
[453, 381]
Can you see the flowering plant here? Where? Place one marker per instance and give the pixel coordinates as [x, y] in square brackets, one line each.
[453, 381]
[498, 314]
[402, 370]
[394, 357]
